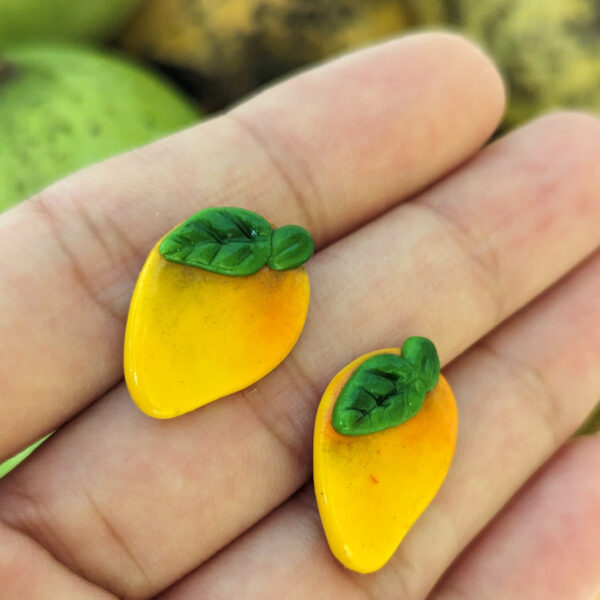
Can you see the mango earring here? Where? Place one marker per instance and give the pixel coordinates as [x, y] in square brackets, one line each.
[385, 433]
[219, 303]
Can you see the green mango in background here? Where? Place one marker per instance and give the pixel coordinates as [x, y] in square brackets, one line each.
[592, 423]
[64, 107]
[84, 20]
[8, 465]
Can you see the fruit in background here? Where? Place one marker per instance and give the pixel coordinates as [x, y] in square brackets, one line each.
[8, 465]
[223, 49]
[65, 107]
[592, 423]
[549, 52]
[22, 20]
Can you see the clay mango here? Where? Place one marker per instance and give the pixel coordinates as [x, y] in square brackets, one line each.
[219, 303]
[374, 480]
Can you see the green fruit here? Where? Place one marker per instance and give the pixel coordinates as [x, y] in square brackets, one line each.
[549, 52]
[22, 20]
[592, 423]
[64, 107]
[8, 465]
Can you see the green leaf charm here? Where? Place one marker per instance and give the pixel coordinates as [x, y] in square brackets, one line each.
[291, 247]
[387, 389]
[235, 241]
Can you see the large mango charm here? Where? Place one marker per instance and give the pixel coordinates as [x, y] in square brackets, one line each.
[219, 303]
[384, 437]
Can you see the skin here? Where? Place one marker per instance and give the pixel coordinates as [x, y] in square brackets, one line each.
[370, 489]
[190, 332]
[416, 230]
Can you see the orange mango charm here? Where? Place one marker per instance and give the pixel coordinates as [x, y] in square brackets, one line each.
[384, 437]
[219, 303]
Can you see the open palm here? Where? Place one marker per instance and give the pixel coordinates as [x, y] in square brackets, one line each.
[492, 253]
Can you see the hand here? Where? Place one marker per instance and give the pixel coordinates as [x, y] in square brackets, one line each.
[493, 253]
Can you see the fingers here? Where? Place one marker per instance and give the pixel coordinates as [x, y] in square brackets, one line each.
[29, 572]
[288, 545]
[328, 150]
[519, 392]
[545, 544]
[207, 477]
[526, 388]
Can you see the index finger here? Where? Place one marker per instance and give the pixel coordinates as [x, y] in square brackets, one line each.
[328, 150]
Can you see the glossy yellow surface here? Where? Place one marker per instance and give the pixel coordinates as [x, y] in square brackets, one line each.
[371, 489]
[194, 336]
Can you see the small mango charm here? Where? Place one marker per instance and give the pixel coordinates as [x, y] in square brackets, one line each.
[219, 303]
[384, 437]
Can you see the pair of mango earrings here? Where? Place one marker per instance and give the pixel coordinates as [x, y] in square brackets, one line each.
[220, 302]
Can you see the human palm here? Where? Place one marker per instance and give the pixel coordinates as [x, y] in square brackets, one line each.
[492, 253]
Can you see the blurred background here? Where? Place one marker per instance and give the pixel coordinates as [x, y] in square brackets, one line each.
[81, 81]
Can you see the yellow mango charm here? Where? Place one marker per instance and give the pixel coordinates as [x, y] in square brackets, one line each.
[219, 303]
[384, 437]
